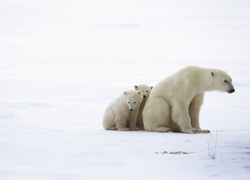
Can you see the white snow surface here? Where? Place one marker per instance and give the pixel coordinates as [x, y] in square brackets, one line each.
[62, 62]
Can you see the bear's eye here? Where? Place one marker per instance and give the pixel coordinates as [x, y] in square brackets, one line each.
[225, 81]
[128, 102]
[134, 102]
[146, 91]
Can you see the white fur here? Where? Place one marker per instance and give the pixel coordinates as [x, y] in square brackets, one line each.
[145, 89]
[175, 102]
[121, 114]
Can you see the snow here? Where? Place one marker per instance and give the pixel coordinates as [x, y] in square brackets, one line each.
[62, 62]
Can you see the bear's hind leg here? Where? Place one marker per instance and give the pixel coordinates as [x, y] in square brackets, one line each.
[156, 115]
[108, 121]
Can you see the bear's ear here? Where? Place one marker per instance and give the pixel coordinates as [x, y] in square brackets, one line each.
[151, 87]
[125, 92]
[212, 73]
[136, 87]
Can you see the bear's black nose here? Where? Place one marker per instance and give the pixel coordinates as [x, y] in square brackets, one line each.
[131, 109]
[144, 96]
[231, 90]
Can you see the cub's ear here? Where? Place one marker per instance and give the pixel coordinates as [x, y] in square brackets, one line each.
[212, 73]
[136, 87]
[125, 92]
[151, 87]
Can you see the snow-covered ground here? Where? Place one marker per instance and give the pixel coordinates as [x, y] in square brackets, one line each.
[62, 62]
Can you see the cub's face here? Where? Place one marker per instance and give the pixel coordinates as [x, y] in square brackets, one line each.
[223, 81]
[145, 89]
[133, 99]
[132, 104]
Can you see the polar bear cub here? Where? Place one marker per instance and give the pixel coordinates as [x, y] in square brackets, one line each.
[145, 89]
[121, 114]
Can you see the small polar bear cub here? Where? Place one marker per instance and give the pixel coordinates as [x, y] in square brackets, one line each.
[121, 114]
[145, 89]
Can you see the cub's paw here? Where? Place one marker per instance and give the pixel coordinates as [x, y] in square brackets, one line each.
[123, 129]
[112, 128]
[134, 129]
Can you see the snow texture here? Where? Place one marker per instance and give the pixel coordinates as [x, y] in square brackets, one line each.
[62, 62]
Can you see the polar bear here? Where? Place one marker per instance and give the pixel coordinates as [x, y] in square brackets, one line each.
[174, 103]
[145, 89]
[121, 114]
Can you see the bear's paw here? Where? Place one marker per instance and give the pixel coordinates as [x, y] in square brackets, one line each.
[134, 129]
[123, 129]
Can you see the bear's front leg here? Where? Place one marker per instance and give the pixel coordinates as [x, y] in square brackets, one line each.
[180, 116]
[133, 120]
[194, 112]
[121, 124]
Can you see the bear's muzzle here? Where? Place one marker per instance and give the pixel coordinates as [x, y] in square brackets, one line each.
[231, 90]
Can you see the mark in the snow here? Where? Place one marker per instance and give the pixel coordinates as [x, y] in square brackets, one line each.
[173, 152]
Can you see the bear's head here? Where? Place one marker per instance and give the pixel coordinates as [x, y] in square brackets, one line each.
[145, 89]
[222, 81]
[133, 99]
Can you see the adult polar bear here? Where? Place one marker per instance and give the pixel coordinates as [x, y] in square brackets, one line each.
[174, 103]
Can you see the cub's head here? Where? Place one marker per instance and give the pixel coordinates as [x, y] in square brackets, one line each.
[133, 99]
[145, 89]
[222, 81]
